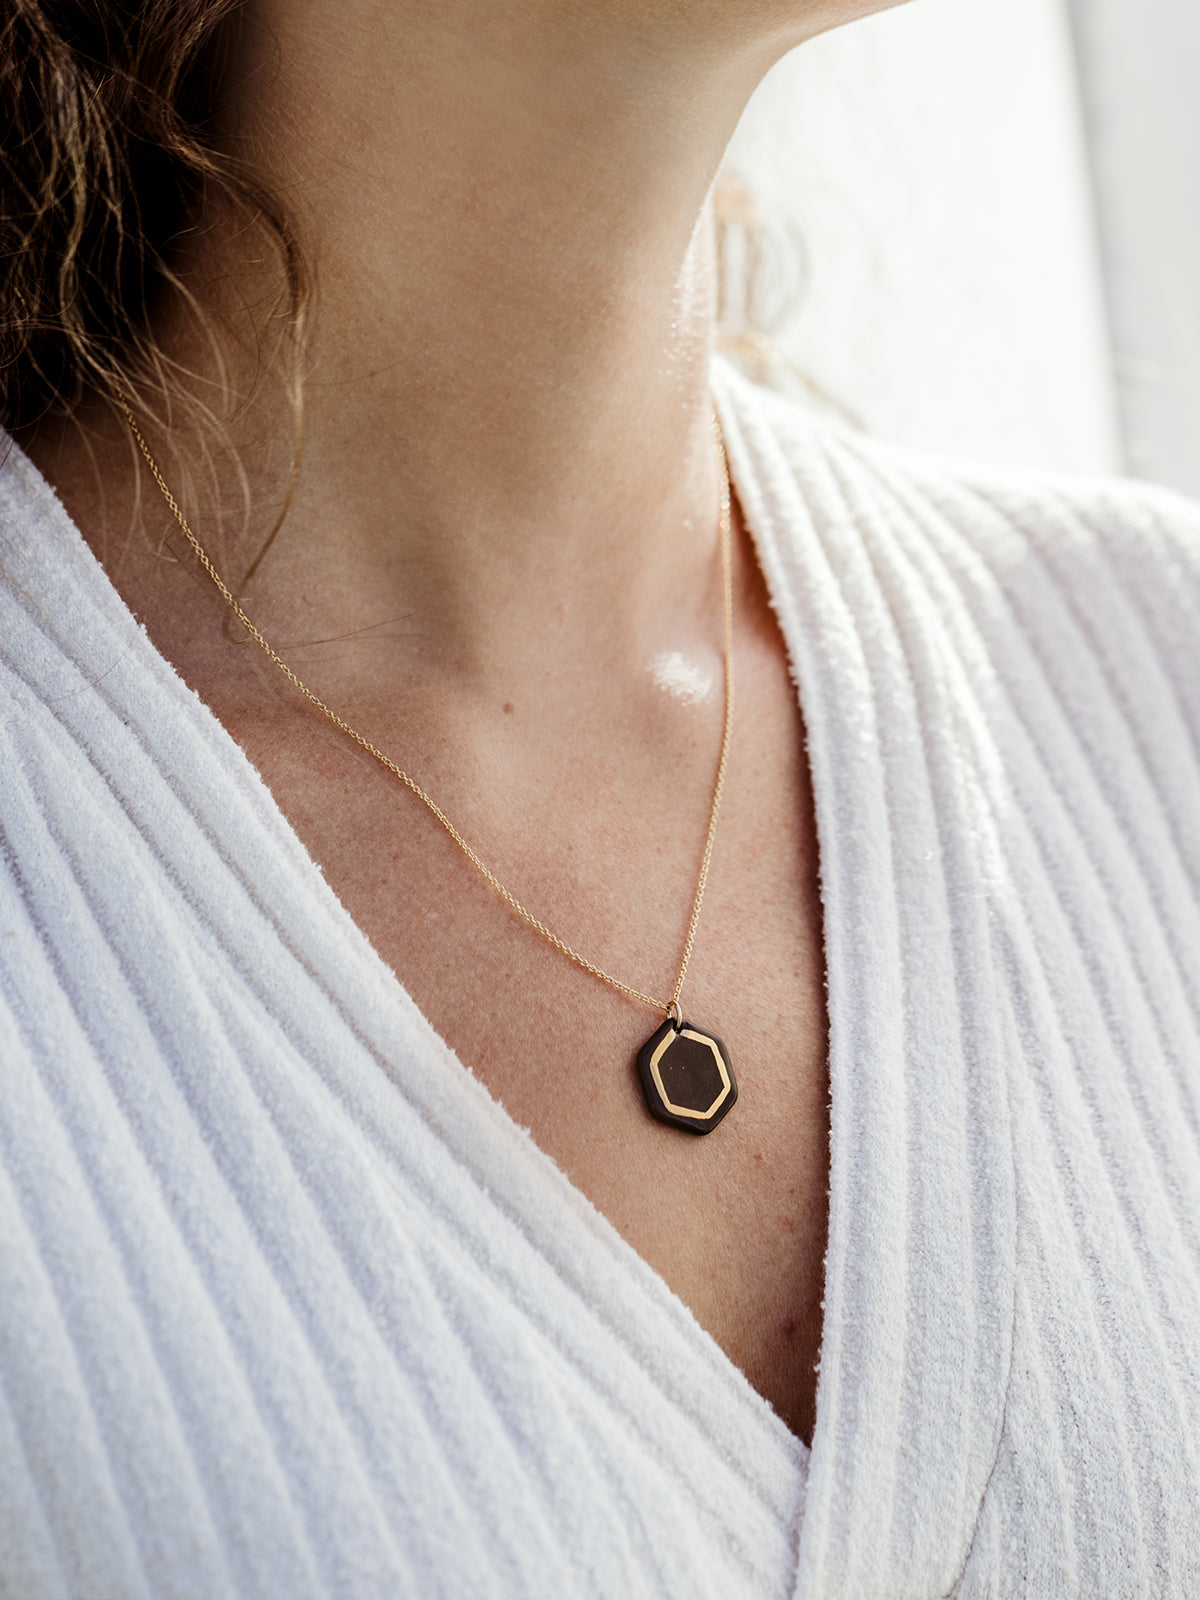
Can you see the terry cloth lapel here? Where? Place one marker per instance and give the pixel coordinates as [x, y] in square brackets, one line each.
[920, 1267]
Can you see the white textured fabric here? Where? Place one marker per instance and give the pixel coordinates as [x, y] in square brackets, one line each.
[288, 1305]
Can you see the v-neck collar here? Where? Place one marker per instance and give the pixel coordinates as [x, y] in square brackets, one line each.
[720, 1419]
[889, 1506]
[920, 1264]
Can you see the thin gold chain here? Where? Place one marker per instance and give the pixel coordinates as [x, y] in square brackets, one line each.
[506, 895]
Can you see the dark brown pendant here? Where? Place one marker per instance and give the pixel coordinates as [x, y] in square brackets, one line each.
[686, 1077]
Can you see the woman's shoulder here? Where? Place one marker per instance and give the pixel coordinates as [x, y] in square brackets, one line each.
[1147, 534]
[1126, 518]
[1111, 553]
[1028, 623]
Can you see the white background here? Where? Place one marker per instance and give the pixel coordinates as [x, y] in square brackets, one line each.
[1140, 71]
[993, 246]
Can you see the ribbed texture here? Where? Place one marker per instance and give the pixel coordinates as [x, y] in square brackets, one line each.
[288, 1306]
[291, 1308]
[1001, 681]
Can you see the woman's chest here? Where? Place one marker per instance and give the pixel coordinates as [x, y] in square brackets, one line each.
[733, 1221]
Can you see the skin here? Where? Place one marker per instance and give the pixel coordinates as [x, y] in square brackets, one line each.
[504, 526]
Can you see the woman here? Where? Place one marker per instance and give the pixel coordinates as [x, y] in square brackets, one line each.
[294, 1304]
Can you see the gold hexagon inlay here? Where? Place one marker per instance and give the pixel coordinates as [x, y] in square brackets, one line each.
[722, 1070]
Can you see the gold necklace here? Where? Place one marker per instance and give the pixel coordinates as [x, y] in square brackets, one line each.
[685, 1071]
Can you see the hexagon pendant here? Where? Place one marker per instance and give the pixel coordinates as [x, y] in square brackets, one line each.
[686, 1077]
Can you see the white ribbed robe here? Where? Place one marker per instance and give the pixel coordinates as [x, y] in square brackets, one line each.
[290, 1308]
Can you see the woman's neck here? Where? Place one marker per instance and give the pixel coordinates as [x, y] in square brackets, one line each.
[506, 364]
[507, 386]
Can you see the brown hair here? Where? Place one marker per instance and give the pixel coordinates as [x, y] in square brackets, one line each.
[107, 154]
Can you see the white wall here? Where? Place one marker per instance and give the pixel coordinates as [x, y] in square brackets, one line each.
[1140, 63]
[931, 160]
